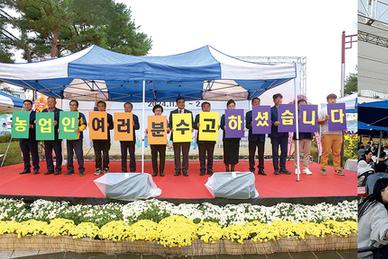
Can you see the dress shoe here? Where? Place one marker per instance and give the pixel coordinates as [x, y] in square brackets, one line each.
[161, 174]
[26, 171]
[71, 172]
[58, 172]
[202, 173]
[261, 172]
[185, 173]
[177, 173]
[155, 174]
[284, 171]
[36, 171]
[81, 173]
[209, 172]
[276, 172]
[252, 170]
[49, 172]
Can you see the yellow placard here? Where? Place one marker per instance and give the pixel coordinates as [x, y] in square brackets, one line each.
[208, 129]
[123, 126]
[157, 130]
[98, 128]
[182, 125]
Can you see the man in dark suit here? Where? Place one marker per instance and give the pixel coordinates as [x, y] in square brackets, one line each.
[255, 140]
[278, 138]
[125, 145]
[30, 145]
[184, 146]
[103, 145]
[204, 146]
[55, 144]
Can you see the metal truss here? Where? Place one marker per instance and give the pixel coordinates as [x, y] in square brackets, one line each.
[372, 11]
[300, 61]
[373, 39]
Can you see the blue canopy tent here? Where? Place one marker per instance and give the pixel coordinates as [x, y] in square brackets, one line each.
[97, 73]
[204, 73]
[373, 119]
[9, 103]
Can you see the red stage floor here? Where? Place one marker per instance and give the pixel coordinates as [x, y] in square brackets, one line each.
[180, 187]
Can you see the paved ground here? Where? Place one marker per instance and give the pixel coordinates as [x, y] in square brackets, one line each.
[343, 254]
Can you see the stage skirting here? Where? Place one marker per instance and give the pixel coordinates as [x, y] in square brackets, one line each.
[198, 247]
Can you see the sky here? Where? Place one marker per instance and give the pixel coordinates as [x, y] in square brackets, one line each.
[310, 29]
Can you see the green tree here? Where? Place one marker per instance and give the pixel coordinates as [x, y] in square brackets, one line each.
[351, 84]
[58, 27]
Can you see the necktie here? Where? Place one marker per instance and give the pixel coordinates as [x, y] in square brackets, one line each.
[180, 111]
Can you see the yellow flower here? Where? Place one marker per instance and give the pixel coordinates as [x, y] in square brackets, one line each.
[60, 227]
[31, 227]
[115, 230]
[85, 229]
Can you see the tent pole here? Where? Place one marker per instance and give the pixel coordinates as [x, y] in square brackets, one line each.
[143, 137]
[297, 155]
[378, 151]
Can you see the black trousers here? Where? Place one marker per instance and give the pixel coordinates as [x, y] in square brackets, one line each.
[283, 143]
[161, 149]
[252, 150]
[203, 148]
[125, 146]
[101, 146]
[184, 147]
[75, 145]
[49, 146]
[30, 146]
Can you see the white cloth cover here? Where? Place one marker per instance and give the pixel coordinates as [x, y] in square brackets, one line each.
[232, 185]
[127, 186]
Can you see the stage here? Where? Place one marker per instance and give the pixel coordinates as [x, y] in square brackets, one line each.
[13, 184]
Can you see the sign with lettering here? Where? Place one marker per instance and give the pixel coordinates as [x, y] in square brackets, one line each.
[308, 121]
[286, 118]
[261, 118]
[157, 130]
[44, 126]
[98, 122]
[124, 126]
[337, 114]
[208, 129]
[68, 123]
[182, 125]
[234, 123]
[20, 124]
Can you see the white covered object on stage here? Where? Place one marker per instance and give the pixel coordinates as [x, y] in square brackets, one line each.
[127, 186]
[232, 185]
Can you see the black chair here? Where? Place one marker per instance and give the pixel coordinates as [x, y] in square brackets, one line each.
[376, 251]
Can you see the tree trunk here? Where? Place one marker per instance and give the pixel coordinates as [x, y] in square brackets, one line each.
[54, 44]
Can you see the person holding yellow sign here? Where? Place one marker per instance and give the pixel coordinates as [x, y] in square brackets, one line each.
[55, 144]
[206, 145]
[76, 145]
[102, 145]
[129, 145]
[30, 145]
[157, 133]
[184, 130]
